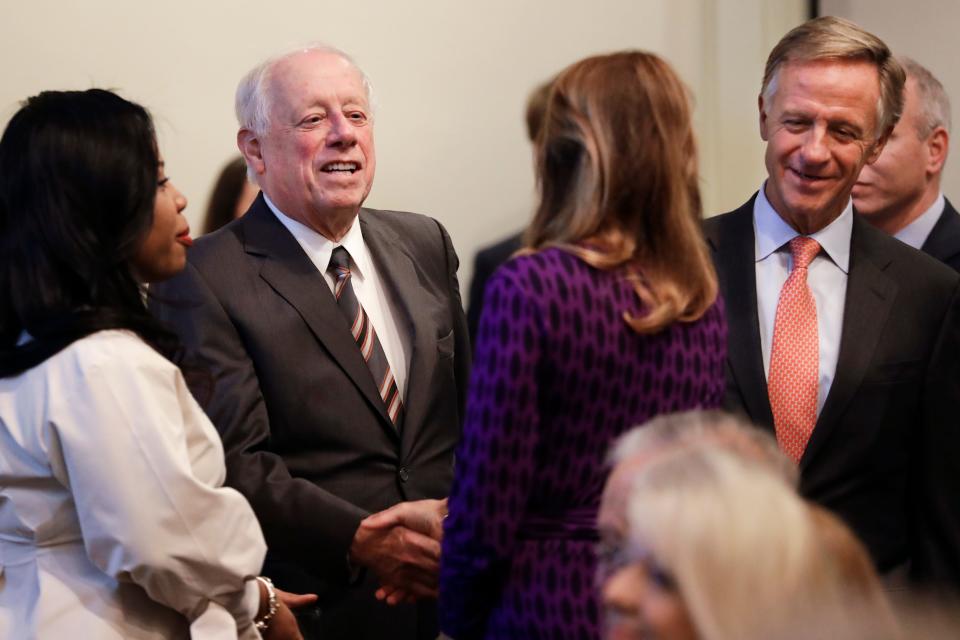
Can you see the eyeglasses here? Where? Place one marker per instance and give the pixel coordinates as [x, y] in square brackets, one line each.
[615, 554]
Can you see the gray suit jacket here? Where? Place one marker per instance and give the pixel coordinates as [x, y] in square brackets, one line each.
[307, 438]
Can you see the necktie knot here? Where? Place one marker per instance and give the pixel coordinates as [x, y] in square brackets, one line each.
[803, 249]
[339, 262]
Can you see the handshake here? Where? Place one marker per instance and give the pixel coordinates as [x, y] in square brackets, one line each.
[402, 546]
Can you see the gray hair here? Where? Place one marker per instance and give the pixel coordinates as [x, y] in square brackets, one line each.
[934, 102]
[252, 100]
[708, 429]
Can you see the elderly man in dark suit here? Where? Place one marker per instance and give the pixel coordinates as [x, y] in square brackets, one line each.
[900, 192]
[338, 351]
[843, 340]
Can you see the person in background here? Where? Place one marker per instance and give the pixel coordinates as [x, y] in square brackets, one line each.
[844, 342]
[665, 433]
[489, 258]
[610, 318]
[900, 192]
[231, 197]
[722, 548]
[113, 519]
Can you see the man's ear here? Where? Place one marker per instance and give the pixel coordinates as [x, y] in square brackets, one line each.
[249, 145]
[878, 146]
[938, 146]
[763, 118]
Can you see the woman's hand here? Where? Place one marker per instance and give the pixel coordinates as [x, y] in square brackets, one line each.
[283, 626]
[295, 600]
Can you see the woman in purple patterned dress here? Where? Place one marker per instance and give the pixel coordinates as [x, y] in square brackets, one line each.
[609, 318]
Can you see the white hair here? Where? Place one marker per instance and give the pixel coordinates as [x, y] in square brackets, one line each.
[252, 101]
[740, 545]
[708, 429]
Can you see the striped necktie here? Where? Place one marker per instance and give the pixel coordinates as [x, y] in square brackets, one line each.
[365, 335]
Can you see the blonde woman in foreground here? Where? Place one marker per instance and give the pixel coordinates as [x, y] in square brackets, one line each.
[723, 550]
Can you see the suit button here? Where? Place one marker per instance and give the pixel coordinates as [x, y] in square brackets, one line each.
[404, 474]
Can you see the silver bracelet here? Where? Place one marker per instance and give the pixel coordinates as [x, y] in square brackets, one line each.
[263, 621]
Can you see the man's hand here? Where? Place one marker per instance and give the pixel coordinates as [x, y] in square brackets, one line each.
[402, 546]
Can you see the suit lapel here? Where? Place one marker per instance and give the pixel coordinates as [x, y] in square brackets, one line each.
[943, 243]
[735, 253]
[288, 270]
[397, 269]
[870, 295]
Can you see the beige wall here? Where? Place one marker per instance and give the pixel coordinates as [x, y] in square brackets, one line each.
[451, 78]
[924, 31]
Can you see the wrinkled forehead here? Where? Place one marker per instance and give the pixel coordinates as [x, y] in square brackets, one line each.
[843, 90]
[305, 77]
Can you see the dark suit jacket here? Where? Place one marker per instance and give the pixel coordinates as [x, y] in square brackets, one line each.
[881, 454]
[943, 243]
[484, 265]
[306, 436]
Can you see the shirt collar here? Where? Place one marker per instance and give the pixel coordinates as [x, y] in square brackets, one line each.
[916, 233]
[772, 232]
[320, 248]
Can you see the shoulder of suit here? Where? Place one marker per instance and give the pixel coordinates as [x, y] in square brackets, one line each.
[404, 219]
[213, 245]
[500, 251]
[715, 227]
[906, 262]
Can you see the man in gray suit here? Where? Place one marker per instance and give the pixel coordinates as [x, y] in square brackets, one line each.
[900, 192]
[338, 351]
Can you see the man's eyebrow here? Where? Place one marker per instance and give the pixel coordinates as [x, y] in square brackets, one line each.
[838, 123]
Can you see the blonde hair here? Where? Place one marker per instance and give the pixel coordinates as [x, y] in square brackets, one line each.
[617, 172]
[710, 429]
[832, 38]
[743, 549]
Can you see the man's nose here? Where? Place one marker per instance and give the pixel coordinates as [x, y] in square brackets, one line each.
[341, 132]
[815, 147]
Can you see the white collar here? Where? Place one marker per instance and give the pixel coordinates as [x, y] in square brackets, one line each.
[772, 232]
[917, 232]
[319, 248]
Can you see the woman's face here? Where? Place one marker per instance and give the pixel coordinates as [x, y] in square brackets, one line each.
[163, 252]
[641, 602]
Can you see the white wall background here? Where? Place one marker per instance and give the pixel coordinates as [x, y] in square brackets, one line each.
[925, 31]
[451, 79]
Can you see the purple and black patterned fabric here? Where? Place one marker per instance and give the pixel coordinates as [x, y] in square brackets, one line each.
[558, 375]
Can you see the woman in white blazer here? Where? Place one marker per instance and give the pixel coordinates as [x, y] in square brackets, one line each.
[113, 519]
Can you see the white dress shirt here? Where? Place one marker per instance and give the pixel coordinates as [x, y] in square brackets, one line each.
[826, 276]
[917, 232]
[367, 285]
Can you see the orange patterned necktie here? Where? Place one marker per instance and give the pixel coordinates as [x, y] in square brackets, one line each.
[795, 355]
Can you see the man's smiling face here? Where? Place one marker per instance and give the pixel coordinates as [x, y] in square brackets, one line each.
[820, 125]
[318, 153]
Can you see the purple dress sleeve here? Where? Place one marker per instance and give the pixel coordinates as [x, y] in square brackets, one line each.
[495, 459]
